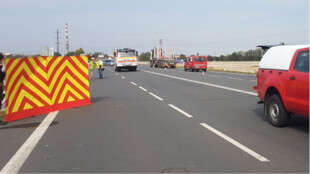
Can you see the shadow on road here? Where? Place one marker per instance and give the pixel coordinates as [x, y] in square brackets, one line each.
[98, 99]
[26, 125]
[297, 122]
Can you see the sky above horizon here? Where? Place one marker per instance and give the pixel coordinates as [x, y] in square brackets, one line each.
[207, 27]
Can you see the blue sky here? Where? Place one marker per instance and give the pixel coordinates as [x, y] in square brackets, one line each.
[210, 27]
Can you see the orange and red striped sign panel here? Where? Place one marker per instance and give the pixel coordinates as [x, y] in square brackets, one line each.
[41, 85]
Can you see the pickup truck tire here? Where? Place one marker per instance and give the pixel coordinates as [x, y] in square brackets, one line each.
[277, 114]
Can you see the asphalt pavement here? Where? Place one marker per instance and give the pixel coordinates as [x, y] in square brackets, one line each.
[159, 120]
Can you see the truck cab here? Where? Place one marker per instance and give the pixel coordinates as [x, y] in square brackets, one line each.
[125, 58]
[283, 83]
[196, 63]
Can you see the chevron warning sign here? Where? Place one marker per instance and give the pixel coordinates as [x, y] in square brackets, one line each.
[40, 85]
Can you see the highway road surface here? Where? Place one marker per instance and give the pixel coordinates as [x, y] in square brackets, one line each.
[159, 121]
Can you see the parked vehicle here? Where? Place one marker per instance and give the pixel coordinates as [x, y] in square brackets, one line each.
[283, 83]
[106, 62]
[196, 63]
[161, 60]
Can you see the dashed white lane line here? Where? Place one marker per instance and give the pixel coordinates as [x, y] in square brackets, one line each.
[181, 111]
[133, 83]
[112, 71]
[123, 77]
[234, 142]
[204, 83]
[215, 76]
[116, 73]
[142, 88]
[156, 96]
[253, 80]
[234, 78]
[17, 161]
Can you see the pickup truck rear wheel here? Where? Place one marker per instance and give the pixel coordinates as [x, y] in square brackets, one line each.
[277, 114]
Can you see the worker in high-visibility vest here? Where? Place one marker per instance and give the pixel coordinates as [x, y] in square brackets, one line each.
[92, 65]
[99, 66]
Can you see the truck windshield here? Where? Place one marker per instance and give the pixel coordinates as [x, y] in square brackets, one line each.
[199, 59]
[124, 54]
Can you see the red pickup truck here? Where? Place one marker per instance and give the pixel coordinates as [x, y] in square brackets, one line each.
[283, 83]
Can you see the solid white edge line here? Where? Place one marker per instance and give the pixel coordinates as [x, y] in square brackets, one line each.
[215, 76]
[237, 144]
[204, 83]
[17, 161]
[233, 73]
[133, 83]
[234, 78]
[156, 96]
[181, 111]
[142, 88]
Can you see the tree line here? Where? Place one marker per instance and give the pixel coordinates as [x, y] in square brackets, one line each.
[77, 52]
[250, 55]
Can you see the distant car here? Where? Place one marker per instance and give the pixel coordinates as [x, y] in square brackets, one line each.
[106, 62]
[111, 63]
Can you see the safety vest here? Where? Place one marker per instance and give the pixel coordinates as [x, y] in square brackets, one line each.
[98, 63]
[92, 65]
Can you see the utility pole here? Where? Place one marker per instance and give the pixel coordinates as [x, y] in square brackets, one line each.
[67, 39]
[161, 48]
[57, 40]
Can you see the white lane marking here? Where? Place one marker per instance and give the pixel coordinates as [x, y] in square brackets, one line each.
[112, 71]
[142, 88]
[133, 83]
[237, 144]
[234, 78]
[204, 83]
[156, 96]
[181, 111]
[123, 77]
[215, 76]
[253, 80]
[233, 73]
[116, 73]
[17, 161]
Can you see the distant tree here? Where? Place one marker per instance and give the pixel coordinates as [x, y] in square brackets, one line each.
[96, 54]
[183, 56]
[36, 55]
[70, 53]
[213, 58]
[79, 52]
[16, 56]
[106, 56]
[57, 54]
[145, 56]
